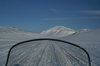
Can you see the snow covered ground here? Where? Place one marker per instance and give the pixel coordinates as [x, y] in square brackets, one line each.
[9, 36]
[47, 53]
[88, 39]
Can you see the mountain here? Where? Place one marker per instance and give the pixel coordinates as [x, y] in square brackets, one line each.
[6, 29]
[89, 36]
[7, 32]
[12, 33]
[82, 31]
[58, 31]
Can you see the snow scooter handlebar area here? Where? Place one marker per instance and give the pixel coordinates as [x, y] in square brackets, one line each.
[47, 52]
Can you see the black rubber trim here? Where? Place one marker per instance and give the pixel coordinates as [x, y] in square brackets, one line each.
[51, 40]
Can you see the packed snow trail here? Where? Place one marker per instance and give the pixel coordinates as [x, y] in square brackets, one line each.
[47, 53]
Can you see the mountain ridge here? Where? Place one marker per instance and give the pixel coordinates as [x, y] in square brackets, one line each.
[57, 31]
[7, 32]
[61, 31]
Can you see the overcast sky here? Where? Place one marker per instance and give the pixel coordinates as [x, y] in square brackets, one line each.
[39, 15]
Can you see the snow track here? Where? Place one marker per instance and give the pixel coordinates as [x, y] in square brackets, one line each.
[47, 53]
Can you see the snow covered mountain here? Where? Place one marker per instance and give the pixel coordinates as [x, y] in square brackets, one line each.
[58, 31]
[90, 36]
[82, 31]
[15, 33]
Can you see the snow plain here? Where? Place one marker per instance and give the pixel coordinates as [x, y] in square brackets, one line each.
[90, 40]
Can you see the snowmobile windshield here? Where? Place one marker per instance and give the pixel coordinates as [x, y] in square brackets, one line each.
[47, 52]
